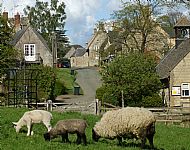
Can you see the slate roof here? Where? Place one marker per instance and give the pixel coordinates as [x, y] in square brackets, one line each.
[79, 52]
[173, 57]
[20, 33]
[182, 22]
[76, 46]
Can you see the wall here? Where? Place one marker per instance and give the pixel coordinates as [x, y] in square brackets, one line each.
[179, 75]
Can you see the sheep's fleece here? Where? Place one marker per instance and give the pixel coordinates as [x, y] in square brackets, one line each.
[124, 121]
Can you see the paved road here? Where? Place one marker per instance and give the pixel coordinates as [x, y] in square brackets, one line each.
[89, 80]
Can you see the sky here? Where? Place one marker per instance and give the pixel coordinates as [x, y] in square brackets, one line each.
[82, 15]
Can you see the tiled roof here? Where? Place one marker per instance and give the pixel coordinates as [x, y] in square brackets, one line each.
[174, 56]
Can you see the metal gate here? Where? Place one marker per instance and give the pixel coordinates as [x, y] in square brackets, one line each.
[22, 87]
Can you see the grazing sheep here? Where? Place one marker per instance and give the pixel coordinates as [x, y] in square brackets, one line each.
[31, 117]
[127, 122]
[63, 127]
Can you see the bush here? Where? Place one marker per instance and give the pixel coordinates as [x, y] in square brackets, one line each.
[106, 94]
[59, 88]
[152, 101]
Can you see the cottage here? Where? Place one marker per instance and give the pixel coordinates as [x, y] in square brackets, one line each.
[29, 42]
[174, 68]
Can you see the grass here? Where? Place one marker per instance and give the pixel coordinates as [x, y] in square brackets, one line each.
[169, 137]
[64, 75]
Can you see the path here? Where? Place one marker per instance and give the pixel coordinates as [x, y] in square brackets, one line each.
[89, 81]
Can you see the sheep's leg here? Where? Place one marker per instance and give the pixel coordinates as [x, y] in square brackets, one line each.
[67, 138]
[84, 138]
[150, 139]
[78, 138]
[119, 138]
[31, 132]
[143, 141]
[29, 128]
[63, 138]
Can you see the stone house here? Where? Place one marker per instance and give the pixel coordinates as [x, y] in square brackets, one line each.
[30, 43]
[98, 41]
[72, 50]
[80, 58]
[174, 68]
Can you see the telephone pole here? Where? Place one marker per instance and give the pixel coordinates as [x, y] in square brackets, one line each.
[54, 49]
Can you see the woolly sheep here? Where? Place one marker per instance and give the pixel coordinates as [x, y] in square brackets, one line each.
[63, 127]
[31, 117]
[133, 122]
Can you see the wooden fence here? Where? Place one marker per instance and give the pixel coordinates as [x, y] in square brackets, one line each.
[175, 115]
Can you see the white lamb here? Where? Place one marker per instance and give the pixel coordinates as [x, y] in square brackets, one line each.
[31, 117]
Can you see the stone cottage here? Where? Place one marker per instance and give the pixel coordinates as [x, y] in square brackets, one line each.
[29, 42]
[174, 68]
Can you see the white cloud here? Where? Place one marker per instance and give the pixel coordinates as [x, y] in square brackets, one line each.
[81, 15]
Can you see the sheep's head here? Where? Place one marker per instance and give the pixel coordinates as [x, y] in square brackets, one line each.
[47, 136]
[16, 126]
[95, 136]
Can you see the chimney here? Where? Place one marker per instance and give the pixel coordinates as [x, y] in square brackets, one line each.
[5, 15]
[17, 22]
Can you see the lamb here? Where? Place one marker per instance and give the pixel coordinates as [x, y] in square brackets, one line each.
[133, 122]
[63, 127]
[31, 117]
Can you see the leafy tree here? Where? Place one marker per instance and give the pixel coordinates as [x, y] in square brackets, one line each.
[133, 74]
[8, 54]
[167, 21]
[137, 28]
[49, 20]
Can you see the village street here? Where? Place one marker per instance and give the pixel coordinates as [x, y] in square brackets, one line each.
[89, 80]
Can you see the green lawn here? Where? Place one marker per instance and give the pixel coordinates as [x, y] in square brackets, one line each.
[166, 138]
[64, 75]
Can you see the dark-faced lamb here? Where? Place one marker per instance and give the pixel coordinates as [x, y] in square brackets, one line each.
[132, 122]
[63, 127]
[31, 117]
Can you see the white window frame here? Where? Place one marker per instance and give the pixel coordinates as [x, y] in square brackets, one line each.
[185, 90]
[30, 52]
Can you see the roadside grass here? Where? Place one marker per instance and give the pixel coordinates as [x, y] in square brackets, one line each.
[64, 76]
[171, 137]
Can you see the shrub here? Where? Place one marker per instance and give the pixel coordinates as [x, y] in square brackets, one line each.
[152, 101]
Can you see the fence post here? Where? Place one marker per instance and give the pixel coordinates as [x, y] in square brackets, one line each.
[49, 105]
[97, 107]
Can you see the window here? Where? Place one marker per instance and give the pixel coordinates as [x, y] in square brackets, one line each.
[29, 52]
[29, 49]
[185, 90]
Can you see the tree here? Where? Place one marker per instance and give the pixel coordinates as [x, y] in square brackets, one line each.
[133, 74]
[137, 27]
[8, 54]
[167, 21]
[49, 20]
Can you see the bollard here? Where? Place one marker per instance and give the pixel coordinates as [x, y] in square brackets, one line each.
[49, 105]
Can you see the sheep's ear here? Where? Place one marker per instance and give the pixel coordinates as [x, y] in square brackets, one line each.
[14, 123]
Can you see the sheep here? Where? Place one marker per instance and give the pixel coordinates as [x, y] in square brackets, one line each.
[31, 117]
[63, 127]
[126, 122]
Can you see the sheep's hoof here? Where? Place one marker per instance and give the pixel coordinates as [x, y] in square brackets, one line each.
[32, 133]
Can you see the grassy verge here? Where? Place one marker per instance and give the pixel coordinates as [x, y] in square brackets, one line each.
[64, 76]
[166, 138]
